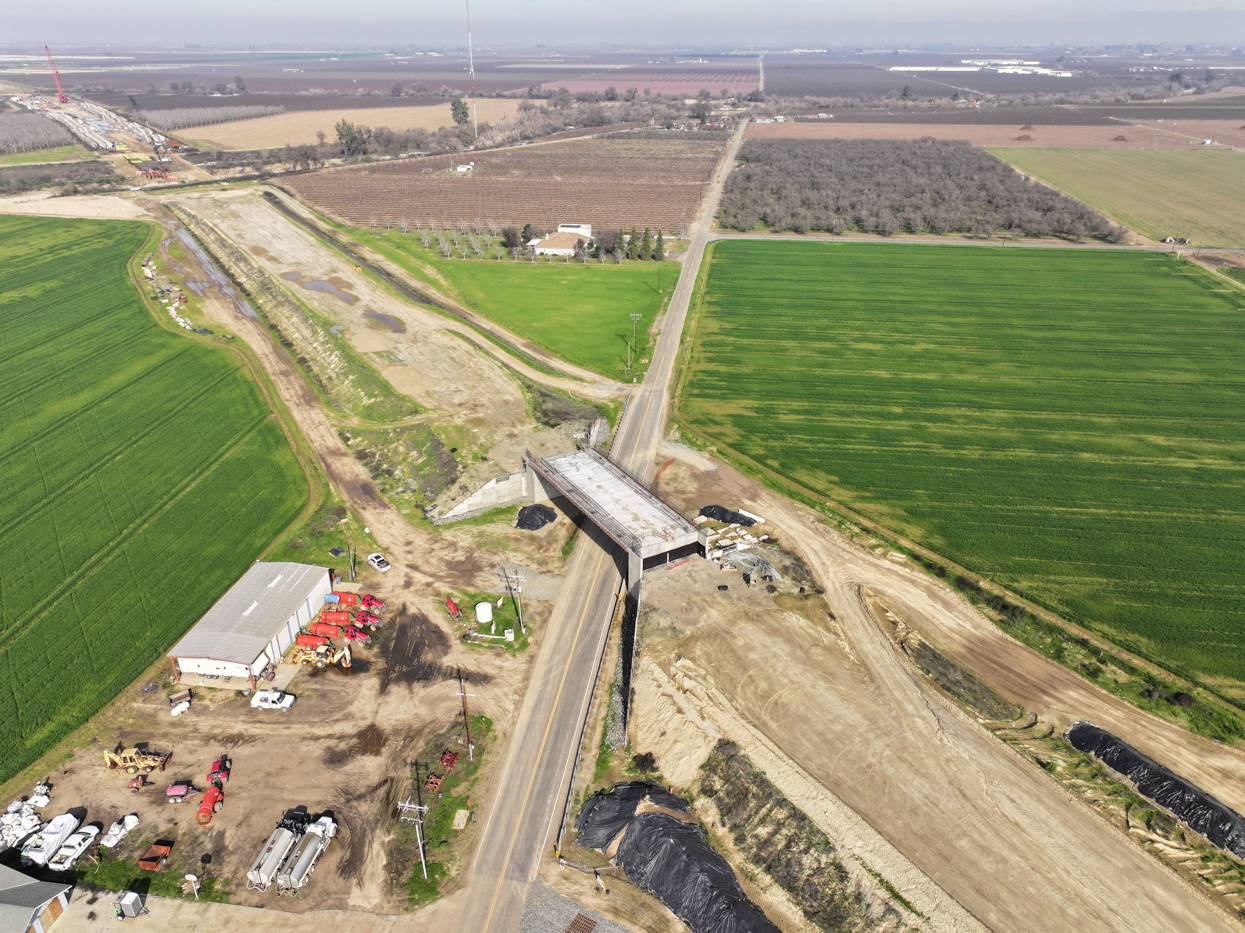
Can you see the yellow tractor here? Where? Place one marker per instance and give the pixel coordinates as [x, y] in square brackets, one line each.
[134, 760]
[319, 659]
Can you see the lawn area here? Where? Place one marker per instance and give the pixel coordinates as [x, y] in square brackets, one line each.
[143, 472]
[57, 154]
[1158, 192]
[1065, 422]
[579, 311]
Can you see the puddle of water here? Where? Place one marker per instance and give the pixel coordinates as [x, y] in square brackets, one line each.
[386, 321]
[330, 287]
[215, 274]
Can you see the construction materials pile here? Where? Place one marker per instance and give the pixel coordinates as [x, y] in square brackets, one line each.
[20, 819]
[1198, 810]
[648, 833]
[534, 517]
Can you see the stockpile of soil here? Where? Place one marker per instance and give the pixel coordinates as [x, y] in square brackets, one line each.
[1119, 139]
[1025, 138]
[1025, 127]
[535, 517]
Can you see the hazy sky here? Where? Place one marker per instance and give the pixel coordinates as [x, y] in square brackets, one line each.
[650, 22]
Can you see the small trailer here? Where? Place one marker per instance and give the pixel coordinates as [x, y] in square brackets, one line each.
[179, 793]
[154, 858]
[335, 618]
[213, 800]
[306, 640]
[326, 629]
[344, 599]
[302, 860]
[272, 856]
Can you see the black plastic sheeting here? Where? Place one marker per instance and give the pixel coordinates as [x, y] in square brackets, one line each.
[720, 514]
[606, 815]
[535, 517]
[671, 860]
[1220, 824]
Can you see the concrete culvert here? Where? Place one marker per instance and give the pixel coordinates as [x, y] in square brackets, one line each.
[535, 517]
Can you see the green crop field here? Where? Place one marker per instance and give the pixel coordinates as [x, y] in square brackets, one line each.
[579, 312]
[57, 154]
[143, 471]
[1159, 192]
[1065, 422]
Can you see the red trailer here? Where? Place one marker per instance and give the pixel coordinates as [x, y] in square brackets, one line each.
[336, 618]
[455, 612]
[346, 599]
[372, 602]
[311, 641]
[213, 800]
[327, 629]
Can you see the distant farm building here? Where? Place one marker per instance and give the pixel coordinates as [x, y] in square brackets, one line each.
[583, 230]
[252, 624]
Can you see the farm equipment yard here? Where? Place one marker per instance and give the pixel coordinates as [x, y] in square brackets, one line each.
[344, 750]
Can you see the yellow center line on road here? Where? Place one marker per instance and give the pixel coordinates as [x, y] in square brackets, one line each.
[488, 920]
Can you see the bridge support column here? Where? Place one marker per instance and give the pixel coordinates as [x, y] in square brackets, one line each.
[635, 568]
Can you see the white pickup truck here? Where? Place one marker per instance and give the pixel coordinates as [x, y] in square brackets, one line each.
[272, 699]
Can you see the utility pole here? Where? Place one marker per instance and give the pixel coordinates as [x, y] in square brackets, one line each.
[516, 593]
[471, 66]
[462, 692]
[406, 809]
[635, 320]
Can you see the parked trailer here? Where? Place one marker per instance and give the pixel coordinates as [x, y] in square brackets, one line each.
[336, 618]
[266, 865]
[346, 599]
[302, 861]
[311, 641]
[327, 629]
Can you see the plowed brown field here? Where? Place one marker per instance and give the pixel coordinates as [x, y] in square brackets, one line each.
[642, 180]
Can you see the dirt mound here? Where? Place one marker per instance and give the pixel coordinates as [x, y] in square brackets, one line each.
[1025, 138]
[1119, 139]
[1025, 127]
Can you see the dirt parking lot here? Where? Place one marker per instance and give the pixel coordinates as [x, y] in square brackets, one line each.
[1028, 137]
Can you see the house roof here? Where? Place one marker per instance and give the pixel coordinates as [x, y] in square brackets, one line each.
[254, 609]
[21, 896]
[562, 241]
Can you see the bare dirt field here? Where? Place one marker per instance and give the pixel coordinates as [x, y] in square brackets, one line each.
[1044, 137]
[1225, 132]
[987, 827]
[646, 180]
[301, 126]
[94, 206]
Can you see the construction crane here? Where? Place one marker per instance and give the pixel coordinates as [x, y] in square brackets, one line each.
[60, 91]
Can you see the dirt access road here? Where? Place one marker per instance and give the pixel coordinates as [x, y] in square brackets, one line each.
[538, 767]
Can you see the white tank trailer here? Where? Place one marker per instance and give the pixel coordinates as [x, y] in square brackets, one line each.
[301, 862]
[272, 856]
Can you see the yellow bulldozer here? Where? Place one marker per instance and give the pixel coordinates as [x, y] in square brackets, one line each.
[319, 659]
[137, 759]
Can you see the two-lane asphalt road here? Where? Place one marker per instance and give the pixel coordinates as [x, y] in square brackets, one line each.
[520, 828]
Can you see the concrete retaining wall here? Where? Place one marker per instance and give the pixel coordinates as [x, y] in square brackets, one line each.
[496, 493]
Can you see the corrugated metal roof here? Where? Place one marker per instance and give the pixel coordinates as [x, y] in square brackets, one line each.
[246, 618]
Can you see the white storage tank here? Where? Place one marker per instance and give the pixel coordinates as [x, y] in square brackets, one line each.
[484, 613]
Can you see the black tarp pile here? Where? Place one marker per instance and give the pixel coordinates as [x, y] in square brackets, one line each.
[535, 517]
[720, 514]
[670, 859]
[1222, 825]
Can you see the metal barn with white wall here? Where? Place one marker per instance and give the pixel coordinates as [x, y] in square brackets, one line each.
[252, 624]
